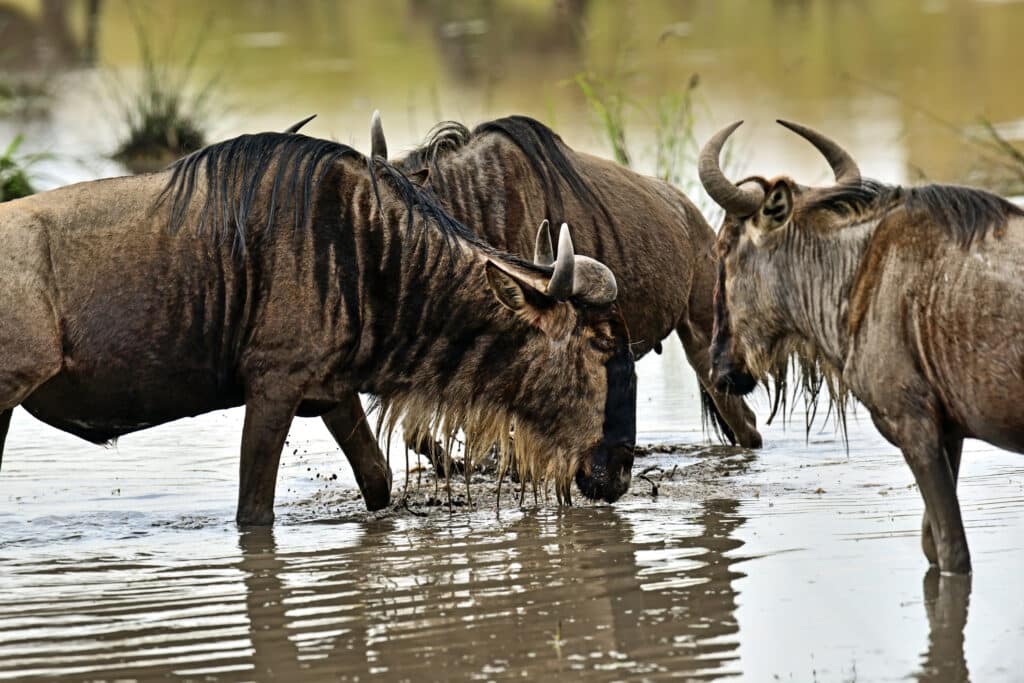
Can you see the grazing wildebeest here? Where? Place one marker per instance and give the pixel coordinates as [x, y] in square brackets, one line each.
[287, 274]
[515, 170]
[911, 299]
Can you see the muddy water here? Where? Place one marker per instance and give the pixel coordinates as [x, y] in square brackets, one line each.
[799, 562]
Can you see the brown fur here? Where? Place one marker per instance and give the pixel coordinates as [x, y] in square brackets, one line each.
[280, 272]
[910, 299]
[514, 171]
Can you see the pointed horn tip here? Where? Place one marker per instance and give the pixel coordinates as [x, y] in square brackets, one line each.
[564, 239]
[375, 117]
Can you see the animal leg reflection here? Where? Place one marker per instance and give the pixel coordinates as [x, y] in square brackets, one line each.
[946, 599]
[347, 423]
[953, 447]
[266, 427]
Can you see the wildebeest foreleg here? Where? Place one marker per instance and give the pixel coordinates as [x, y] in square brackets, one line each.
[953, 447]
[739, 419]
[266, 427]
[347, 423]
[5, 424]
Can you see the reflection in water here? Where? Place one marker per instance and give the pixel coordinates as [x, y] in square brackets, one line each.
[945, 599]
[553, 592]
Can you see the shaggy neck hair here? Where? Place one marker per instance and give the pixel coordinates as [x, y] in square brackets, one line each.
[826, 254]
[428, 339]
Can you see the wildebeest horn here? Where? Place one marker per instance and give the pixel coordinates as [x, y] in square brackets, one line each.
[843, 165]
[543, 252]
[294, 128]
[378, 144]
[561, 284]
[733, 199]
[580, 276]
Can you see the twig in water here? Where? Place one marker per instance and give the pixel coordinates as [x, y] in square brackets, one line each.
[654, 487]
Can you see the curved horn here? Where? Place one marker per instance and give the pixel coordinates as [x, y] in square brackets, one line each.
[721, 189]
[579, 276]
[378, 145]
[543, 252]
[294, 128]
[562, 280]
[594, 282]
[843, 165]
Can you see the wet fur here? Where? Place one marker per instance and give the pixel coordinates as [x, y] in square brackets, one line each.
[513, 172]
[908, 299]
[281, 272]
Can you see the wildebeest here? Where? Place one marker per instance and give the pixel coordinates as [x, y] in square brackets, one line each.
[911, 299]
[513, 171]
[287, 274]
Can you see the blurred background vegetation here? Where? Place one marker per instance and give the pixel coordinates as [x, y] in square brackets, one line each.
[916, 89]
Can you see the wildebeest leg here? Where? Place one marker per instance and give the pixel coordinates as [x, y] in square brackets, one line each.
[924, 450]
[953, 447]
[737, 419]
[423, 443]
[5, 424]
[266, 427]
[347, 423]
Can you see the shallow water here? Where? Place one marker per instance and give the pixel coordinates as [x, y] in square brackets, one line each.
[799, 562]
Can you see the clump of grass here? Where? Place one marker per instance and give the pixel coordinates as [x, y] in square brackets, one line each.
[608, 102]
[1004, 170]
[24, 96]
[671, 115]
[15, 171]
[166, 117]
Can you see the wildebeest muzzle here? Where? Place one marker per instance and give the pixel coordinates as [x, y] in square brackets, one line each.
[608, 472]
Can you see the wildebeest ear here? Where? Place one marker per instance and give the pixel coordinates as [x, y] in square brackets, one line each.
[419, 176]
[508, 290]
[777, 208]
[529, 303]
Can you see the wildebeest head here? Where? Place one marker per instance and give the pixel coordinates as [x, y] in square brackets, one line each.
[575, 318]
[751, 335]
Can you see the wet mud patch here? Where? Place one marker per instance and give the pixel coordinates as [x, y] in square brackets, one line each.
[663, 473]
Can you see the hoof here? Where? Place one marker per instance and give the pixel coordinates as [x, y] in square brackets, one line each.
[750, 439]
[377, 500]
[376, 489]
[255, 517]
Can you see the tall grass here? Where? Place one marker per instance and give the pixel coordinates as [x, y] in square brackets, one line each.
[24, 96]
[671, 116]
[166, 114]
[16, 179]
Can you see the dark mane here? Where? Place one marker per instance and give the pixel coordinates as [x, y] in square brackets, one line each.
[542, 147]
[965, 213]
[233, 173]
[445, 137]
[228, 179]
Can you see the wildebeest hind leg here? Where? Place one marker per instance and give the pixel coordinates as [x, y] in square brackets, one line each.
[733, 410]
[347, 423]
[953, 447]
[266, 427]
[923, 448]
